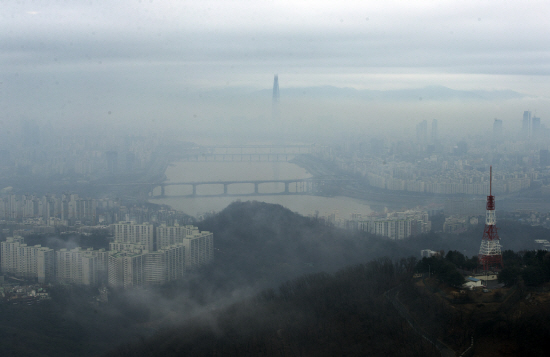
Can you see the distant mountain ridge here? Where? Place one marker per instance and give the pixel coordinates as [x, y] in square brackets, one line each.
[414, 94]
[430, 93]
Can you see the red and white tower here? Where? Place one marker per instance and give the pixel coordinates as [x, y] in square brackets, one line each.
[490, 255]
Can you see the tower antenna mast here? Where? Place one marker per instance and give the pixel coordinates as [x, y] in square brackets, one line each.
[490, 255]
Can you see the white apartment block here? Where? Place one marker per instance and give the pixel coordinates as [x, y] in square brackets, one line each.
[170, 235]
[131, 261]
[199, 249]
[27, 261]
[18, 207]
[175, 261]
[131, 232]
[102, 267]
[121, 246]
[199, 246]
[165, 265]
[45, 264]
[10, 254]
[398, 225]
[81, 266]
[126, 269]
[155, 268]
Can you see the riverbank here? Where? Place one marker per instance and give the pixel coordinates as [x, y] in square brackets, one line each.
[185, 171]
[531, 199]
[359, 189]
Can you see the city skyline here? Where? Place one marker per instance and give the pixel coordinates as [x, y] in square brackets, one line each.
[340, 153]
[191, 68]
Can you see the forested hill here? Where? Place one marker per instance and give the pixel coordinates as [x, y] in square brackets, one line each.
[322, 292]
[314, 300]
[265, 244]
[341, 314]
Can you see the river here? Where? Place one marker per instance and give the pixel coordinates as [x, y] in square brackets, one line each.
[186, 171]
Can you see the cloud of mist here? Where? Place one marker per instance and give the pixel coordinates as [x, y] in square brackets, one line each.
[144, 66]
[58, 243]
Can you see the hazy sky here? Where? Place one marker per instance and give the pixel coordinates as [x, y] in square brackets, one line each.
[142, 59]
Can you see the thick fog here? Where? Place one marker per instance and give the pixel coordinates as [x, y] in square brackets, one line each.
[396, 114]
[206, 67]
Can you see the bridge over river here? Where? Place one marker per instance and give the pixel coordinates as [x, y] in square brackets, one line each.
[291, 187]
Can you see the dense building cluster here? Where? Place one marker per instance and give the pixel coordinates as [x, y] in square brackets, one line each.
[27, 261]
[141, 254]
[394, 225]
[450, 179]
[45, 152]
[450, 166]
[59, 210]
[33, 214]
[64, 207]
[137, 258]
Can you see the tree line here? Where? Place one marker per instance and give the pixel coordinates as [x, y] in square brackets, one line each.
[322, 314]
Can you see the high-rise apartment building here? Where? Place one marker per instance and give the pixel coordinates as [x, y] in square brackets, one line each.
[422, 132]
[131, 232]
[66, 207]
[45, 264]
[81, 266]
[165, 264]
[170, 235]
[526, 124]
[497, 129]
[398, 225]
[121, 246]
[26, 261]
[126, 269]
[199, 249]
[131, 262]
[10, 253]
[178, 248]
[199, 246]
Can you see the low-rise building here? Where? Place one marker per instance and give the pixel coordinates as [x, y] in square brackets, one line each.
[472, 283]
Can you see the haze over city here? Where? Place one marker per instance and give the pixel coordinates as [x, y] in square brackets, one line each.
[274, 178]
[192, 67]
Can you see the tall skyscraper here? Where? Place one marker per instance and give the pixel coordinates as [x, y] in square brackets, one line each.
[526, 124]
[276, 96]
[497, 129]
[422, 132]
